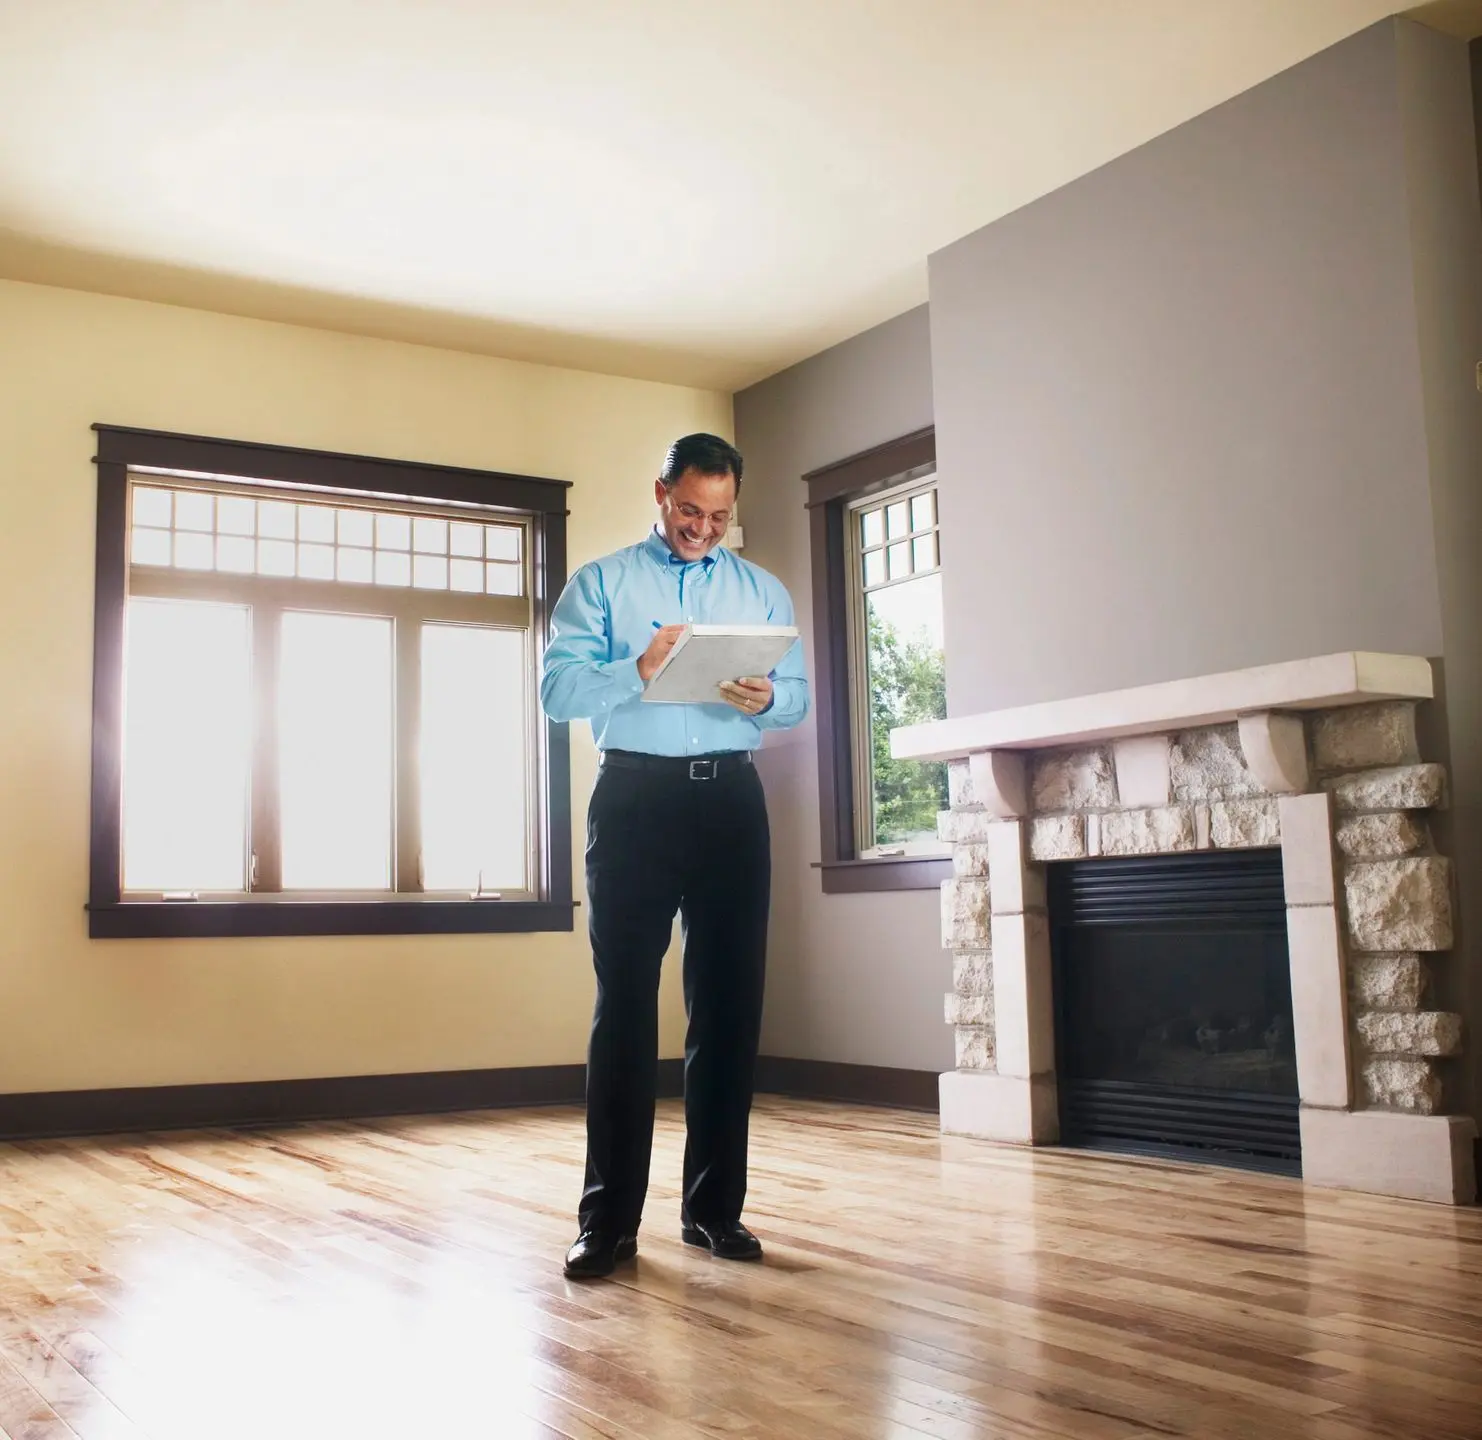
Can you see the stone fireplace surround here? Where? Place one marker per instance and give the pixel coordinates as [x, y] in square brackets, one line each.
[1317, 756]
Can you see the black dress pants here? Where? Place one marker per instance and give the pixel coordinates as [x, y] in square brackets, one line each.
[661, 843]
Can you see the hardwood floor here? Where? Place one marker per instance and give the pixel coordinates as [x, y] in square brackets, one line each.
[401, 1278]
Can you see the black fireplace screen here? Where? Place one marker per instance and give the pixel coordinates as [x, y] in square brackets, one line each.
[1174, 1007]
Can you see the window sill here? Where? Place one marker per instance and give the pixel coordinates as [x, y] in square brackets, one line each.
[884, 872]
[164, 919]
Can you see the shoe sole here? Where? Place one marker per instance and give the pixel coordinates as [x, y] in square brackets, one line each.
[625, 1251]
[698, 1240]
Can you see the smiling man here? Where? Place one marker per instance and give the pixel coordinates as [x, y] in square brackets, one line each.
[677, 824]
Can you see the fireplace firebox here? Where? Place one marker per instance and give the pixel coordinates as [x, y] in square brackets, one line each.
[1173, 1004]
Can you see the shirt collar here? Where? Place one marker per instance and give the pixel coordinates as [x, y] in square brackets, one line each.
[660, 553]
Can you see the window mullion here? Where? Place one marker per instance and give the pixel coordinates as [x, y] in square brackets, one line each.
[267, 829]
[408, 734]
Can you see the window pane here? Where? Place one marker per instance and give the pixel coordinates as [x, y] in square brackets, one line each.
[907, 685]
[356, 566]
[356, 528]
[393, 532]
[316, 562]
[900, 561]
[393, 568]
[335, 751]
[194, 552]
[872, 528]
[236, 554]
[897, 520]
[151, 507]
[924, 552]
[429, 535]
[503, 580]
[316, 523]
[473, 758]
[235, 515]
[923, 510]
[874, 568]
[503, 542]
[150, 547]
[275, 557]
[466, 539]
[468, 575]
[275, 518]
[194, 511]
[430, 572]
[187, 745]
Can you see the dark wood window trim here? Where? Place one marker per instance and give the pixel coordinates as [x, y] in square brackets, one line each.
[830, 490]
[121, 449]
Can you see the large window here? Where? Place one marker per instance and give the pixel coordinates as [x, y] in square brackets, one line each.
[316, 707]
[878, 650]
[896, 665]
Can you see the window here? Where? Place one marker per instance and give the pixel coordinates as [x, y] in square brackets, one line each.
[875, 530]
[897, 667]
[315, 707]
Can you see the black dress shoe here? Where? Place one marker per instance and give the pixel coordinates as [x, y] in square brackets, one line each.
[597, 1253]
[726, 1240]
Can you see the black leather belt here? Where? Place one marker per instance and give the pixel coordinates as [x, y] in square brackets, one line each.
[680, 767]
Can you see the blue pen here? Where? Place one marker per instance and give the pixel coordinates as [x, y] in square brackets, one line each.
[657, 626]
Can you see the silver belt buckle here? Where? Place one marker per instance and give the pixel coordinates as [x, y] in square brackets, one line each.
[703, 769]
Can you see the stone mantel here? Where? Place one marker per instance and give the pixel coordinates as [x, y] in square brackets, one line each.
[1319, 757]
[1323, 683]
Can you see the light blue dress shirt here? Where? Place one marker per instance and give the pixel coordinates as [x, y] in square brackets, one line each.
[604, 621]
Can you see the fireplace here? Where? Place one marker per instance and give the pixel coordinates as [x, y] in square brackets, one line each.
[1173, 1007]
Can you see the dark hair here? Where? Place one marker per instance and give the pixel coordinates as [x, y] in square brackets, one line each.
[708, 454]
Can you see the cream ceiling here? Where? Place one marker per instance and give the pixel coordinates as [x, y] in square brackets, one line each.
[693, 190]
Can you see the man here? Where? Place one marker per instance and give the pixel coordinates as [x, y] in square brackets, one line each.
[677, 824]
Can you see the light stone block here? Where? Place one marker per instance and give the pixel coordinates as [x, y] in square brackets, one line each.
[1244, 824]
[1382, 837]
[1308, 865]
[966, 909]
[1001, 782]
[960, 785]
[972, 973]
[969, 1009]
[1275, 748]
[1400, 904]
[970, 860]
[1023, 1005]
[1057, 837]
[1210, 765]
[1365, 737]
[963, 827]
[1017, 886]
[974, 1047]
[1072, 780]
[1203, 838]
[1009, 1108]
[1413, 1032]
[1411, 1085]
[1147, 832]
[1319, 1005]
[1387, 982]
[1415, 1157]
[1142, 771]
[1406, 787]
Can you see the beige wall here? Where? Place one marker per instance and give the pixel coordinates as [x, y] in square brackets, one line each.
[79, 1013]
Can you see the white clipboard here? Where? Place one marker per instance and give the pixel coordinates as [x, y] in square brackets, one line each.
[705, 656]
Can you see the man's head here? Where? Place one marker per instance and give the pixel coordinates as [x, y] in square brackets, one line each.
[696, 493]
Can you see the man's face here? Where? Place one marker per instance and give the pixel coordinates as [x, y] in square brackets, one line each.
[695, 512]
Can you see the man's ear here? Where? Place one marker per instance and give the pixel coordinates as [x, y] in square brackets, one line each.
[659, 492]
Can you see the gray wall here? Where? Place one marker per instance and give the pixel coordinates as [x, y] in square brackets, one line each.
[1446, 242]
[1178, 404]
[853, 978]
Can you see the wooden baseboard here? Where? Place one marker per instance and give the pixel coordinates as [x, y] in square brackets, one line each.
[859, 1084]
[40, 1115]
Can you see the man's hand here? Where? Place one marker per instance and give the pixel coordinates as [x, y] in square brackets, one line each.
[658, 648]
[750, 696]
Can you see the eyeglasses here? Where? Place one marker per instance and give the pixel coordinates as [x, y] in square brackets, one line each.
[719, 518]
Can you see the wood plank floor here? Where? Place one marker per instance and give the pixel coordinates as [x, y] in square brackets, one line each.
[401, 1278]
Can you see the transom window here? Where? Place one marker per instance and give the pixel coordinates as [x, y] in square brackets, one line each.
[327, 699]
